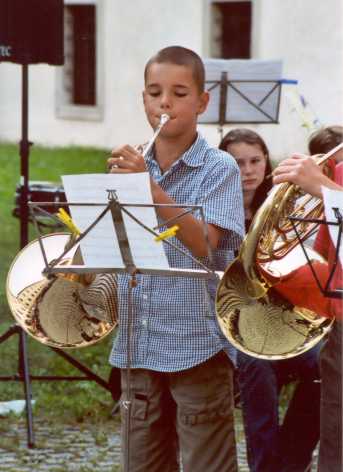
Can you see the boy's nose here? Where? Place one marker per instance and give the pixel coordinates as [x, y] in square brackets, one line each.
[165, 100]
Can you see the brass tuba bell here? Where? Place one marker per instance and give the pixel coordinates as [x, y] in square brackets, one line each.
[66, 311]
[253, 316]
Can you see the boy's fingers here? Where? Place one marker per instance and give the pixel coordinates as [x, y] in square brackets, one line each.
[118, 170]
[125, 151]
[123, 163]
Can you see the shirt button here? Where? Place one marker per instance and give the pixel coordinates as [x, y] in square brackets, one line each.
[145, 296]
[144, 322]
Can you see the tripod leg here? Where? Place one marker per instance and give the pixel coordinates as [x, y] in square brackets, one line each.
[24, 373]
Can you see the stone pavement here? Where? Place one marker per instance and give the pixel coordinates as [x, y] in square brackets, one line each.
[66, 448]
[77, 448]
[60, 448]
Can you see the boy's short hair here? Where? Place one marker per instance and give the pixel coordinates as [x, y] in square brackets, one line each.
[180, 56]
[325, 139]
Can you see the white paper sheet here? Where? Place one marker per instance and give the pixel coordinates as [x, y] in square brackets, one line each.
[100, 247]
[333, 199]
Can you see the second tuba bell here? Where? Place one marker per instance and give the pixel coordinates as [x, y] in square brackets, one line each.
[251, 312]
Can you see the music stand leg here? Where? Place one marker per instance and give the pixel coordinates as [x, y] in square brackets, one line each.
[90, 375]
[127, 403]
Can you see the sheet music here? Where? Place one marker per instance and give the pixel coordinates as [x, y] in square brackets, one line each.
[333, 199]
[238, 109]
[100, 247]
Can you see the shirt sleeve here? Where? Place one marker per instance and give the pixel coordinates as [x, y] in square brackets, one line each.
[222, 201]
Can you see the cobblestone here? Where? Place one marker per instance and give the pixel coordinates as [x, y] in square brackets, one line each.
[85, 448]
[69, 449]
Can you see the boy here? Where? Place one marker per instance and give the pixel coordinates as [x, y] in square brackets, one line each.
[181, 381]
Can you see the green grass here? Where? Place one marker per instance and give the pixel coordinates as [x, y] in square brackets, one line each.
[74, 401]
[44, 164]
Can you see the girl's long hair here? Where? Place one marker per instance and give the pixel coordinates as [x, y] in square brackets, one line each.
[247, 136]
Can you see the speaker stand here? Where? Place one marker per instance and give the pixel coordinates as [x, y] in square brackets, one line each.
[23, 362]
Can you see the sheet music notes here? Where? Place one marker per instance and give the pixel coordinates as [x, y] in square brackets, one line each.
[100, 247]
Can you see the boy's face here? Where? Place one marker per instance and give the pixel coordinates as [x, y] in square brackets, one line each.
[171, 89]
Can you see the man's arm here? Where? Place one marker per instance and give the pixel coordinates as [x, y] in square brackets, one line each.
[303, 171]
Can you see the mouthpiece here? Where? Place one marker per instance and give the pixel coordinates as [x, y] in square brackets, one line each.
[164, 118]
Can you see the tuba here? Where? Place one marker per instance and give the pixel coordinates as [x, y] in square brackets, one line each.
[252, 313]
[65, 310]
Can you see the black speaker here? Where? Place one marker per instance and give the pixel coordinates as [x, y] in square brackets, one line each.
[31, 31]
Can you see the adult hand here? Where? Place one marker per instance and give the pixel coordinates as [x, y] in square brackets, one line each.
[126, 159]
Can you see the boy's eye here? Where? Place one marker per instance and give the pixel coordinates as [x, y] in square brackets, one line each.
[154, 94]
[180, 94]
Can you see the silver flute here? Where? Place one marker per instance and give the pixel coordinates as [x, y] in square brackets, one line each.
[146, 148]
[163, 120]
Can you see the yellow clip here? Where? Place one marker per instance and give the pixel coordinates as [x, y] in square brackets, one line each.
[168, 233]
[63, 216]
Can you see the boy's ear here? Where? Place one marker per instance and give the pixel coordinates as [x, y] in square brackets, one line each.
[203, 102]
[143, 96]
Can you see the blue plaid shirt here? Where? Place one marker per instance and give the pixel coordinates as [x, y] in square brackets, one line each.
[174, 326]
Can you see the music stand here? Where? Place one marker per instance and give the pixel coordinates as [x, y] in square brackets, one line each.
[117, 211]
[326, 290]
[242, 91]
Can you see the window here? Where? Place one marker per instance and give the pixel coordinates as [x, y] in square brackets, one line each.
[78, 91]
[231, 29]
[81, 25]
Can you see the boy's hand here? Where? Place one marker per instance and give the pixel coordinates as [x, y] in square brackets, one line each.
[126, 159]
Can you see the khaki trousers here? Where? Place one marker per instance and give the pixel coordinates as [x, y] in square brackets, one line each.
[187, 415]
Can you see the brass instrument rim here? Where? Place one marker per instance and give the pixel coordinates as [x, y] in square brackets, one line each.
[26, 320]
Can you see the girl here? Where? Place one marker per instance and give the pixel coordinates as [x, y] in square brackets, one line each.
[252, 156]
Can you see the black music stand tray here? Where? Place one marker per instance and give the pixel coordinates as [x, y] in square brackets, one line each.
[117, 209]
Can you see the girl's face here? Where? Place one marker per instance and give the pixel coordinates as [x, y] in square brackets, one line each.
[252, 163]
